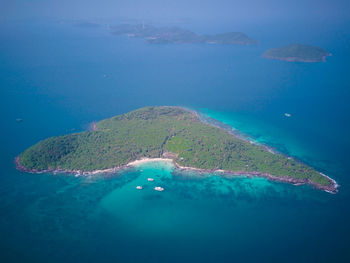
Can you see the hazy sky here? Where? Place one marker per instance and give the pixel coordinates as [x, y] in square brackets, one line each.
[245, 10]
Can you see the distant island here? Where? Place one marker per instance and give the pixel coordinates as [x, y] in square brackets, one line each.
[298, 53]
[86, 24]
[168, 133]
[164, 35]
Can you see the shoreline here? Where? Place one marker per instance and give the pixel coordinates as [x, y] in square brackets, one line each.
[295, 59]
[234, 132]
[333, 188]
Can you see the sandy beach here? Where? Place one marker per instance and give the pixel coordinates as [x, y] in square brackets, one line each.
[149, 160]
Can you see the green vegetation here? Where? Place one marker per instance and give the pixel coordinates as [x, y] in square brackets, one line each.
[153, 132]
[164, 35]
[297, 52]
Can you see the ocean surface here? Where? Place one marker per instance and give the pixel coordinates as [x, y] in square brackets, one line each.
[59, 77]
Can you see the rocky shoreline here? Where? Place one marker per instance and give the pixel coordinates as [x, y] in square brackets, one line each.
[333, 188]
[22, 168]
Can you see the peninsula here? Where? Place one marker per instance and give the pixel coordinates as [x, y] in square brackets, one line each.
[164, 35]
[169, 133]
[298, 53]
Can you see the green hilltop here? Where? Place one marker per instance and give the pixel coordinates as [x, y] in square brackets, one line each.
[155, 132]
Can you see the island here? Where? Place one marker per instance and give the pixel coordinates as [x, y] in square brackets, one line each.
[166, 35]
[298, 53]
[180, 135]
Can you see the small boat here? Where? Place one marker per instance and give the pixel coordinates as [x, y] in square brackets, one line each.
[150, 179]
[139, 187]
[19, 120]
[158, 188]
[288, 115]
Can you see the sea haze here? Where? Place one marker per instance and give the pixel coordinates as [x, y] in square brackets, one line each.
[60, 77]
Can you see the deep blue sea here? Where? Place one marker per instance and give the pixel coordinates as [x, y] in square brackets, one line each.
[59, 78]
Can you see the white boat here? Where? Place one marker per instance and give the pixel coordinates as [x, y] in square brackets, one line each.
[150, 179]
[139, 187]
[288, 115]
[158, 188]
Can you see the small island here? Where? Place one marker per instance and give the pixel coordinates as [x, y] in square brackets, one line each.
[176, 35]
[298, 53]
[166, 133]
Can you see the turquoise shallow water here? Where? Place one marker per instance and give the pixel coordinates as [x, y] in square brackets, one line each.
[80, 218]
[59, 78]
